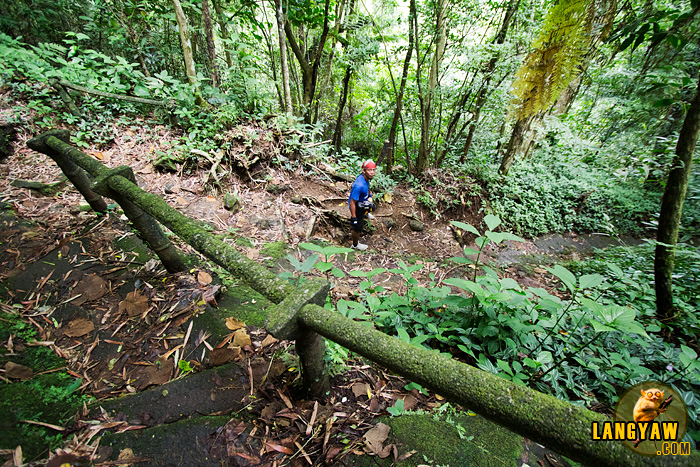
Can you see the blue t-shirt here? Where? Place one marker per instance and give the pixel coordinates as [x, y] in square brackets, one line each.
[360, 190]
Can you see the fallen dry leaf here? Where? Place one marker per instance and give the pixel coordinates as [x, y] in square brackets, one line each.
[209, 295]
[219, 357]
[405, 456]
[180, 200]
[374, 439]
[234, 324]
[203, 278]
[79, 327]
[154, 375]
[134, 304]
[17, 371]
[276, 447]
[269, 340]
[252, 253]
[360, 389]
[241, 338]
[89, 288]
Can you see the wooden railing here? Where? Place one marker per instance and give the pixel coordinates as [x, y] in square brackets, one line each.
[299, 315]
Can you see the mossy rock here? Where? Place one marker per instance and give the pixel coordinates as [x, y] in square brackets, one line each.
[49, 398]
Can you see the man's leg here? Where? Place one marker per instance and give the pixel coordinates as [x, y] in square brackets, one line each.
[355, 238]
[356, 229]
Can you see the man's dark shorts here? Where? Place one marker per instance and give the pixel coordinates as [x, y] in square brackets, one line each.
[360, 220]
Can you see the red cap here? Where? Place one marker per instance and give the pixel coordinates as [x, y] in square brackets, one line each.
[369, 164]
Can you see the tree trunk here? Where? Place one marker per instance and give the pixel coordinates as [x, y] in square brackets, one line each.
[402, 89]
[187, 52]
[309, 69]
[338, 135]
[672, 208]
[429, 97]
[224, 32]
[279, 14]
[522, 126]
[211, 48]
[488, 72]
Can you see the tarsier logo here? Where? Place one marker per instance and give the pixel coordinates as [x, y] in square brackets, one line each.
[650, 418]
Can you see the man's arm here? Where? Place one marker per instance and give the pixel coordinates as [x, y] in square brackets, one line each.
[353, 208]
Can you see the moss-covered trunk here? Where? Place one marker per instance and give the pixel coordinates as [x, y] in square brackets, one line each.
[672, 208]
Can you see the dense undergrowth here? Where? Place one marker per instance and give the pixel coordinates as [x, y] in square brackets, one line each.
[587, 347]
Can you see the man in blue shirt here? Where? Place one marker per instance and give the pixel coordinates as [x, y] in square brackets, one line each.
[360, 201]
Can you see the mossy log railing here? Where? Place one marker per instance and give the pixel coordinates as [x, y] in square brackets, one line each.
[298, 315]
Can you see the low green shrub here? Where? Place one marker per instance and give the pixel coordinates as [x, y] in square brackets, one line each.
[543, 196]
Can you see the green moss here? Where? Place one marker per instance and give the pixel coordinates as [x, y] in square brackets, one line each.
[47, 398]
[193, 438]
[482, 443]
[274, 250]
[243, 241]
[245, 304]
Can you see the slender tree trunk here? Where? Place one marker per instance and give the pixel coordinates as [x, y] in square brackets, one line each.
[224, 31]
[429, 97]
[337, 29]
[279, 14]
[672, 208]
[402, 89]
[211, 48]
[187, 52]
[338, 134]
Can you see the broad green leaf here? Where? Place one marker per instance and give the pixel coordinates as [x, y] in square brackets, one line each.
[589, 281]
[504, 366]
[530, 362]
[141, 91]
[600, 327]
[312, 247]
[308, 263]
[564, 275]
[373, 302]
[470, 251]
[338, 272]
[545, 357]
[507, 284]
[323, 266]
[594, 306]
[495, 237]
[689, 352]
[466, 227]
[499, 297]
[358, 273]
[457, 301]
[615, 269]
[512, 237]
[464, 284]
[403, 335]
[296, 264]
[492, 221]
